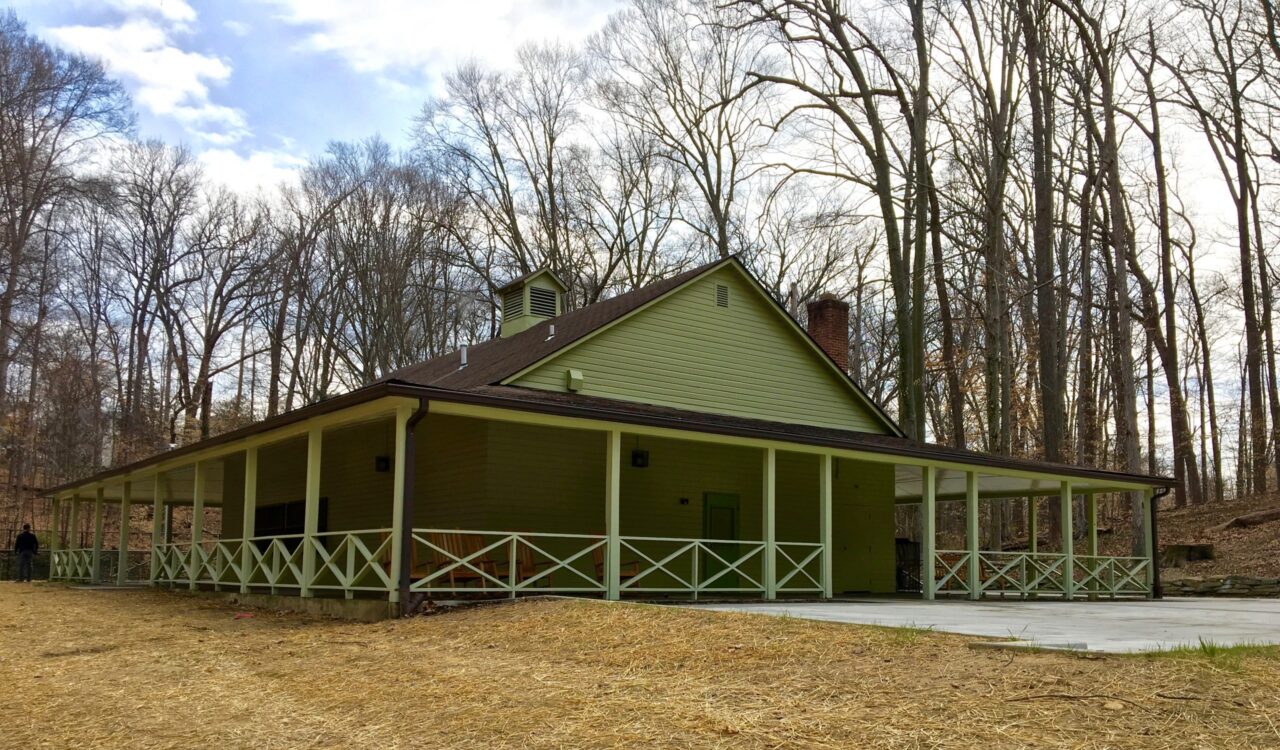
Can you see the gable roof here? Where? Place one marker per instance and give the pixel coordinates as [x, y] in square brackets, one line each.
[496, 361]
[519, 280]
[493, 362]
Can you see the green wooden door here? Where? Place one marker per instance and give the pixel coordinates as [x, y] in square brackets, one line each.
[720, 514]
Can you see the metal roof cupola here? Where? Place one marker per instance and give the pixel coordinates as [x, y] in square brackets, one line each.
[530, 299]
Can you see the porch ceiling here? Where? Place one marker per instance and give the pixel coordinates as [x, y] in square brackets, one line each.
[909, 482]
[181, 486]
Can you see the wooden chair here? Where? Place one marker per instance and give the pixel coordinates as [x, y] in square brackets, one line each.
[458, 545]
[462, 546]
[526, 566]
[627, 570]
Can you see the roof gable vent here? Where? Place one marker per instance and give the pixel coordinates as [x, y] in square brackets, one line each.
[543, 302]
[529, 300]
[513, 303]
[722, 295]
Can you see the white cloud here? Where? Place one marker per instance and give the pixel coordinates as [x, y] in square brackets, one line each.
[177, 12]
[389, 36]
[239, 28]
[259, 171]
[165, 79]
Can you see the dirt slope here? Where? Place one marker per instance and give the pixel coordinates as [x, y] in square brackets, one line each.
[1253, 551]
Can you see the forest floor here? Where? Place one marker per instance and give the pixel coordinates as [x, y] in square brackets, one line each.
[150, 669]
[1253, 551]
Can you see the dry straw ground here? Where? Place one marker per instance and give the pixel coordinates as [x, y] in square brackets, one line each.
[143, 669]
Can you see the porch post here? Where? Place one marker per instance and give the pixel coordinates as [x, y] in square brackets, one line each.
[1068, 541]
[126, 509]
[157, 525]
[249, 517]
[971, 533]
[824, 519]
[1148, 541]
[1033, 524]
[928, 543]
[1091, 521]
[197, 524]
[612, 493]
[96, 574]
[769, 492]
[55, 532]
[311, 516]
[396, 569]
[73, 528]
[55, 524]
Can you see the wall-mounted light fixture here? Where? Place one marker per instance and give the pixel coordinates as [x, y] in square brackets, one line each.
[381, 463]
[640, 459]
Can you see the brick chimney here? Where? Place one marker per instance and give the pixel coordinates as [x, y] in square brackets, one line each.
[829, 326]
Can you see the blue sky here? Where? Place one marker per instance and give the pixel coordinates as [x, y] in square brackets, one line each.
[255, 87]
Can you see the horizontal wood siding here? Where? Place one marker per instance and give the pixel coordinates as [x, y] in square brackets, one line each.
[797, 503]
[688, 352]
[359, 495]
[450, 473]
[679, 470]
[862, 527]
[544, 479]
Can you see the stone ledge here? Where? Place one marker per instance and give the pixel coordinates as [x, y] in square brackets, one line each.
[1238, 586]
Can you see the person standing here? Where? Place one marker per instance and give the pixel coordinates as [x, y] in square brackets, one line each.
[26, 546]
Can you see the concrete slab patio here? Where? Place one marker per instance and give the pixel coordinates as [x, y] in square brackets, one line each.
[1108, 626]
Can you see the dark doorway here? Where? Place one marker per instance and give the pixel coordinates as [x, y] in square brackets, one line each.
[720, 517]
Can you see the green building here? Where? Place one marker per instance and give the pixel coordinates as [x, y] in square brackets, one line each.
[687, 439]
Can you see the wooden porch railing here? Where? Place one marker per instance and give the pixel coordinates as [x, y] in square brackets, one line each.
[1041, 574]
[461, 561]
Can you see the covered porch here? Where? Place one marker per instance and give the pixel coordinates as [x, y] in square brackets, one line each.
[402, 498]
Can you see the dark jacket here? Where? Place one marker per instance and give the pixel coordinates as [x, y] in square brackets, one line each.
[26, 542]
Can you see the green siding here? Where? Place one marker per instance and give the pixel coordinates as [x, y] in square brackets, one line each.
[686, 351]
[862, 527]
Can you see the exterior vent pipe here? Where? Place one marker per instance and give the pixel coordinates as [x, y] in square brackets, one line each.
[551, 332]
[462, 352]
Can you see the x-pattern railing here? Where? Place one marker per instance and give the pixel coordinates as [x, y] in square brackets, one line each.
[954, 566]
[175, 562]
[217, 560]
[275, 561]
[1094, 574]
[469, 561]
[1046, 572]
[581, 581]
[797, 560]
[465, 561]
[684, 566]
[1003, 571]
[1112, 575]
[71, 564]
[353, 564]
